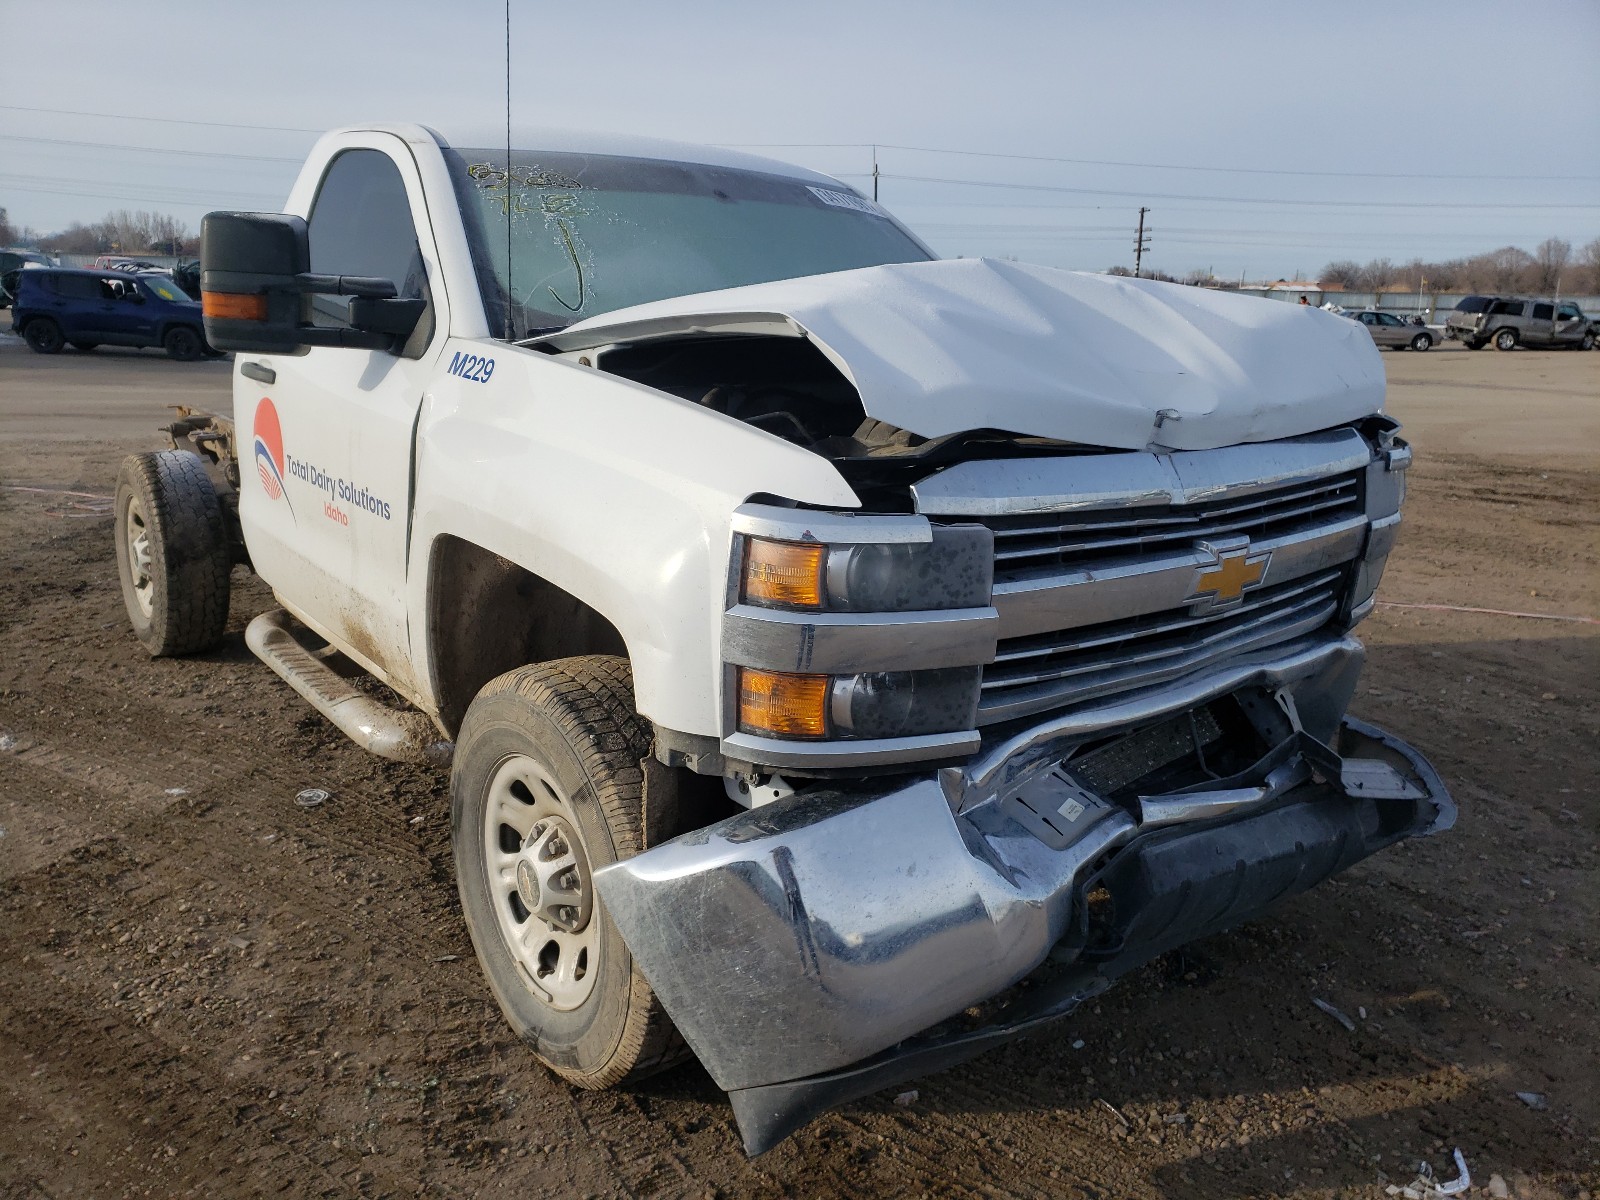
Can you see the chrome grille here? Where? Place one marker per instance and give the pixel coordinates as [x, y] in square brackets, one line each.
[1030, 674]
[1026, 545]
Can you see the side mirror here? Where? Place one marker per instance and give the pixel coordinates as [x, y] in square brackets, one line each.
[256, 285]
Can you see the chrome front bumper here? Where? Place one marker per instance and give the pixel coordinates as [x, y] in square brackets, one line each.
[807, 949]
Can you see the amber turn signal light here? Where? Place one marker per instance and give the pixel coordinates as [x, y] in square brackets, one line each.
[230, 306]
[786, 574]
[786, 705]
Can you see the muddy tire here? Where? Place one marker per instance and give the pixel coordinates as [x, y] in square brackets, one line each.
[545, 789]
[183, 344]
[43, 336]
[172, 553]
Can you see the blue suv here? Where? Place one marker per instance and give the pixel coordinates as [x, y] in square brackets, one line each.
[85, 309]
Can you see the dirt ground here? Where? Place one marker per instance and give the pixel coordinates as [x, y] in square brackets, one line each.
[207, 990]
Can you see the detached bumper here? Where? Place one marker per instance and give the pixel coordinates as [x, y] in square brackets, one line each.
[815, 950]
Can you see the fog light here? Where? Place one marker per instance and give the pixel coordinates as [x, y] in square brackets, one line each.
[786, 705]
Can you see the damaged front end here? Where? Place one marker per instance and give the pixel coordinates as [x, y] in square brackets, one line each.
[830, 944]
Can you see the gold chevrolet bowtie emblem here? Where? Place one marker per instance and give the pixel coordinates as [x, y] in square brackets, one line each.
[1237, 570]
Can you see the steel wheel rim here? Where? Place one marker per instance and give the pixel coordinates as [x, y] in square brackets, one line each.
[540, 884]
[136, 535]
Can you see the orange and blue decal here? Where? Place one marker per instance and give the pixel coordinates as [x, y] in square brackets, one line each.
[269, 451]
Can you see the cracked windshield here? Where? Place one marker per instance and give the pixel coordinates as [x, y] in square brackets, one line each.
[594, 233]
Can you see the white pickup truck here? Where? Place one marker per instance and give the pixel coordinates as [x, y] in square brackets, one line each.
[846, 660]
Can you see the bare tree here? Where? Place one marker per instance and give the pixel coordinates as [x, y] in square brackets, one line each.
[8, 231]
[1550, 258]
[1589, 256]
[1345, 271]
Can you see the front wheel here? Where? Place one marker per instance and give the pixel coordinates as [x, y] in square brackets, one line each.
[43, 336]
[1587, 341]
[546, 788]
[173, 554]
[1506, 339]
[1423, 341]
[183, 344]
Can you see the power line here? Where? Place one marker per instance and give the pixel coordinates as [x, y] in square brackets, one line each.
[17, 137]
[1103, 162]
[1046, 187]
[70, 112]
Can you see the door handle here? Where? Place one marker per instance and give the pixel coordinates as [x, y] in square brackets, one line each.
[258, 372]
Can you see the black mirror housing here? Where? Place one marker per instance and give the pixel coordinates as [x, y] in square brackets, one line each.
[249, 267]
[256, 281]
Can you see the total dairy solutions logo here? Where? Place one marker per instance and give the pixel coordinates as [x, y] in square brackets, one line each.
[275, 468]
[269, 451]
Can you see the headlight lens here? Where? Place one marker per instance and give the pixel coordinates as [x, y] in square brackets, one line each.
[781, 704]
[783, 574]
[953, 570]
[879, 704]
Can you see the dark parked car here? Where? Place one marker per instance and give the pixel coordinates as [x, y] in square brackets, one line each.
[85, 309]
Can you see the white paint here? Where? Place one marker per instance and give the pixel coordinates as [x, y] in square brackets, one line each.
[941, 347]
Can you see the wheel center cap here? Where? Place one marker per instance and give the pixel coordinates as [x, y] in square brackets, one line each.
[528, 886]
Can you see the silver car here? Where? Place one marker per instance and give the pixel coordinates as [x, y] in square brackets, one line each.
[1389, 330]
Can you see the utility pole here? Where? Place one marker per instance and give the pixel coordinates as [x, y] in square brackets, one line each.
[1141, 243]
[874, 174]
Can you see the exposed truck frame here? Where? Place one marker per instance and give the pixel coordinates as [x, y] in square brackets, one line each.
[821, 660]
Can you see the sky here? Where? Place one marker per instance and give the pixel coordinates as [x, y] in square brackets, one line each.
[1266, 138]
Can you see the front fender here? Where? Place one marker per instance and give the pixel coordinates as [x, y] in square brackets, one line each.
[612, 491]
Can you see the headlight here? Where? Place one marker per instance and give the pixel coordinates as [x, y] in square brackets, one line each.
[783, 574]
[879, 704]
[952, 570]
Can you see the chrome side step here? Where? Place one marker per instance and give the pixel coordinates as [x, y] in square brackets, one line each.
[386, 732]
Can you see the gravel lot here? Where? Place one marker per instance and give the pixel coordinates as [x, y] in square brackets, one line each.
[208, 990]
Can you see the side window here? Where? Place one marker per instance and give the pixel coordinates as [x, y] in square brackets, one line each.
[1388, 319]
[1508, 308]
[361, 225]
[1569, 312]
[79, 287]
[113, 289]
[1543, 312]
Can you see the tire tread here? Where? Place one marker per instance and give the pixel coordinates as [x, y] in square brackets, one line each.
[590, 700]
[191, 551]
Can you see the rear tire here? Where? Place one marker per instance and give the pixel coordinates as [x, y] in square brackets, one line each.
[183, 344]
[1423, 341]
[173, 555]
[43, 336]
[1506, 339]
[546, 787]
[1474, 343]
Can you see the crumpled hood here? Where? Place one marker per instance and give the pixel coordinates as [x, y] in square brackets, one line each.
[946, 346]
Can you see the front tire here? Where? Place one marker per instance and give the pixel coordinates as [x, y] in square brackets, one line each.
[1506, 339]
[546, 788]
[1587, 341]
[183, 344]
[43, 336]
[173, 555]
[1423, 341]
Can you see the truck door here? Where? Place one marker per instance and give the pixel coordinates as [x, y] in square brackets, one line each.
[329, 502]
[1542, 325]
[1570, 323]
